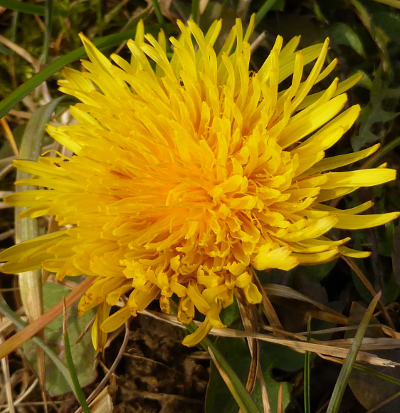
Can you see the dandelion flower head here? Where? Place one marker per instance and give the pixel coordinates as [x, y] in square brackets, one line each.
[189, 171]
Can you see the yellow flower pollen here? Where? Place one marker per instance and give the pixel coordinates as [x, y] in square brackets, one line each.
[188, 171]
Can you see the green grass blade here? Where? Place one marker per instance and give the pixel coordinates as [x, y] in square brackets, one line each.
[195, 10]
[27, 87]
[264, 9]
[345, 371]
[71, 367]
[7, 312]
[23, 7]
[376, 373]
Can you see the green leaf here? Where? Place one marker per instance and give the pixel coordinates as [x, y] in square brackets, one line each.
[23, 7]
[236, 352]
[343, 34]
[375, 120]
[230, 314]
[264, 9]
[389, 22]
[83, 352]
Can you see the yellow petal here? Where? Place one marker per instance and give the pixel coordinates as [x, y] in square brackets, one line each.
[115, 320]
[99, 338]
[315, 229]
[349, 252]
[317, 258]
[252, 294]
[302, 126]
[200, 333]
[362, 177]
[279, 258]
[342, 160]
[347, 221]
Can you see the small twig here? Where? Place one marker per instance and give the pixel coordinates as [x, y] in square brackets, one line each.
[6, 170]
[23, 396]
[113, 367]
[7, 382]
[21, 52]
[257, 41]
[384, 402]
[248, 320]
[268, 309]
[369, 287]
[20, 114]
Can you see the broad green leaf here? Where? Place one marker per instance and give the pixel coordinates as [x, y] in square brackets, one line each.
[230, 314]
[343, 34]
[71, 366]
[83, 352]
[389, 21]
[375, 120]
[236, 352]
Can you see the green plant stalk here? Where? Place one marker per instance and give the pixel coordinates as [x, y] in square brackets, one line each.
[373, 160]
[264, 9]
[7, 312]
[195, 10]
[72, 370]
[157, 11]
[345, 371]
[23, 7]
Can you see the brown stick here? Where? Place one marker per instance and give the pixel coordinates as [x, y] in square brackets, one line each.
[18, 339]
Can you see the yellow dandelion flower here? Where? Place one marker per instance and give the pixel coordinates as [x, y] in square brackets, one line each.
[186, 172]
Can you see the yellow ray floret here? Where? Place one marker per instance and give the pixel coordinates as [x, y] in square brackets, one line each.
[189, 170]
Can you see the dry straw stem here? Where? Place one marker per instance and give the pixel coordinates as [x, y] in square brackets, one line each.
[249, 321]
[354, 267]
[101, 386]
[17, 340]
[7, 382]
[345, 371]
[326, 313]
[300, 346]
